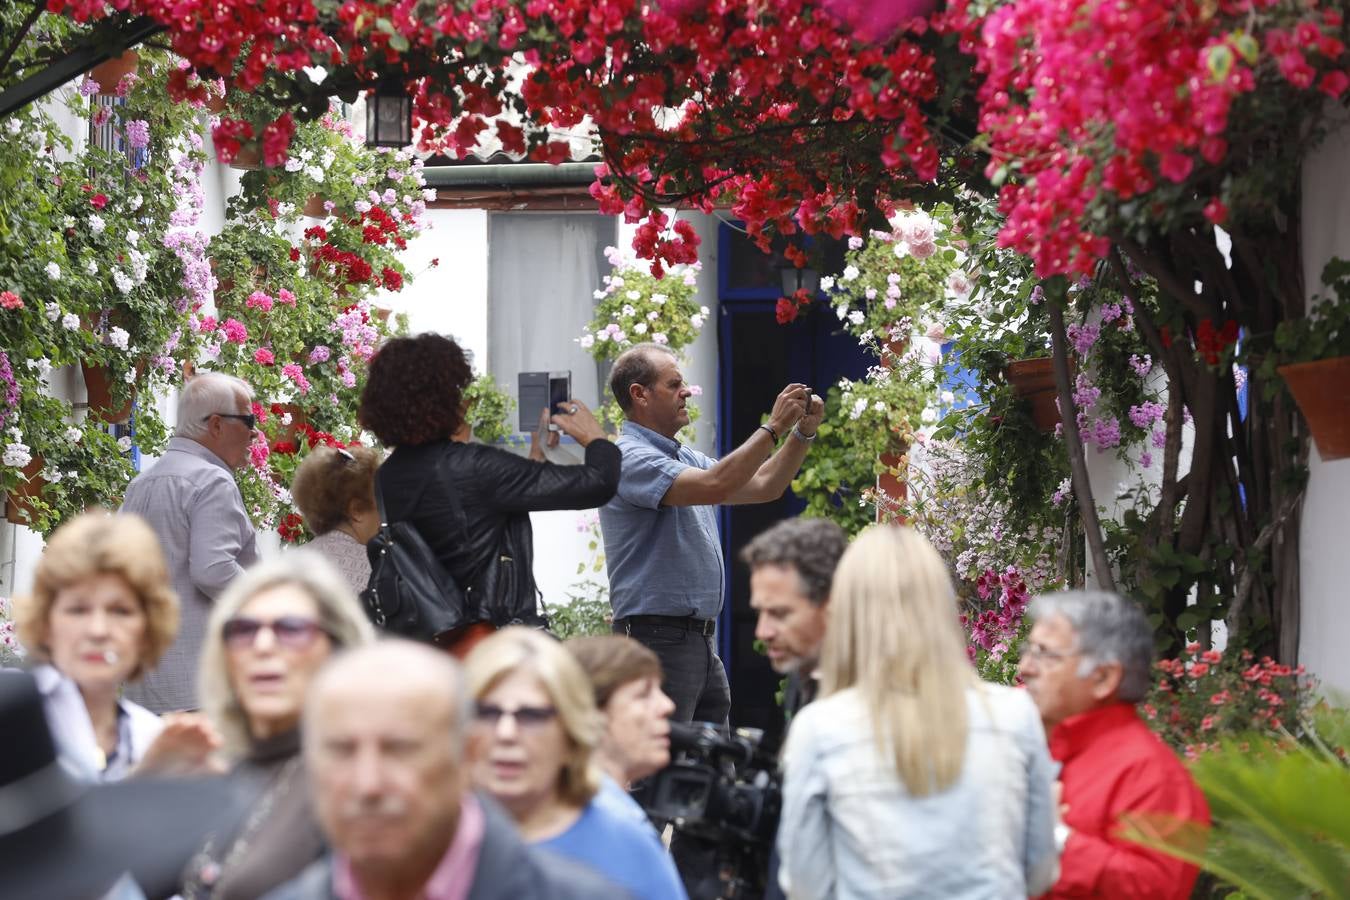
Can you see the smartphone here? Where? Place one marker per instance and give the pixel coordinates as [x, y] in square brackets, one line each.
[537, 390]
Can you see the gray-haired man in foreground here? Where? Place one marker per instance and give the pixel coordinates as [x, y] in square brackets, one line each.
[384, 742]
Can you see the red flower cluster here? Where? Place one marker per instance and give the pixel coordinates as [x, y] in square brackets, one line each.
[1212, 344]
[291, 528]
[788, 308]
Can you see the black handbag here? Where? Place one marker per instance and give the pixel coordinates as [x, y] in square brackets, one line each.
[410, 593]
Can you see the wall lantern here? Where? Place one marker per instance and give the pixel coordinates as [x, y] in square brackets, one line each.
[795, 279]
[388, 116]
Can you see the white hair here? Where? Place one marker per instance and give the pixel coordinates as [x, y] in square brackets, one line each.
[204, 395]
[1109, 629]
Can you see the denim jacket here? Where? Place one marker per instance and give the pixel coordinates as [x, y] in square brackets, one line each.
[850, 829]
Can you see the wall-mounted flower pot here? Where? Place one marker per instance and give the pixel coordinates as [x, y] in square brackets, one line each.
[291, 431]
[1033, 380]
[314, 207]
[98, 387]
[1322, 389]
[892, 488]
[248, 157]
[109, 73]
[18, 505]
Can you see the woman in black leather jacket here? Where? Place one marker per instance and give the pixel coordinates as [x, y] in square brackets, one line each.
[471, 502]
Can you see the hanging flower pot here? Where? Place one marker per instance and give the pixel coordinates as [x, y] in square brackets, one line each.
[1322, 390]
[288, 432]
[109, 73]
[18, 504]
[314, 207]
[248, 157]
[892, 488]
[98, 387]
[1033, 380]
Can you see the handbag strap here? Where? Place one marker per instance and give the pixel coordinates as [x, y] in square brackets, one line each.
[450, 491]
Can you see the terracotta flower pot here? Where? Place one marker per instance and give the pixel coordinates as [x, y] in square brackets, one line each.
[291, 431]
[99, 390]
[109, 73]
[1033, 380]
[248, 157]
[18, 508]
[314, 207]
[1322, 390]
[892, 489]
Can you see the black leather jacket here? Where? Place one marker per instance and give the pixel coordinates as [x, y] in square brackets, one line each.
[471, 504]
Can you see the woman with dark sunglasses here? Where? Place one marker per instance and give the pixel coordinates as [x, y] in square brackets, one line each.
[532, 748]
[267, 637]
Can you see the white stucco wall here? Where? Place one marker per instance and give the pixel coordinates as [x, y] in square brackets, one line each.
[1324, 631]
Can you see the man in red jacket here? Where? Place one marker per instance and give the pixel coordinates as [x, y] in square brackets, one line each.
[1086, 663]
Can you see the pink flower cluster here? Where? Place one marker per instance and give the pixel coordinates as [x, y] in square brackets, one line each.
[995, 629]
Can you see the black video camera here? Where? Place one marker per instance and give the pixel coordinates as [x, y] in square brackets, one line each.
[724, 793]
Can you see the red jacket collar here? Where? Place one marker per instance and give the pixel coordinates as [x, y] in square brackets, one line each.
[1077, 733]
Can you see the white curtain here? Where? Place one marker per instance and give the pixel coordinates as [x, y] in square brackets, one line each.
[543, 271]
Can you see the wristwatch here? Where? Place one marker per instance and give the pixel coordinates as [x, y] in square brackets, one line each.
[802, 435]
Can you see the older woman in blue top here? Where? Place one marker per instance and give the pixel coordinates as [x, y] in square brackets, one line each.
[535, 732]
[910, 777]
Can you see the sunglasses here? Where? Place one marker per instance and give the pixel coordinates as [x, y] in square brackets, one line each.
[250, 421]
[525, 717]
[290, 632]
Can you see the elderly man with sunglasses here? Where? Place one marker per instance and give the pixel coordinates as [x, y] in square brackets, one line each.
[190, 499]
[1087, 662]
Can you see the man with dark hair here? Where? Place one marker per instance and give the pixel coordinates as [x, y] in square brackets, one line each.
[791, 567]
[661, 539]
[1087, 662]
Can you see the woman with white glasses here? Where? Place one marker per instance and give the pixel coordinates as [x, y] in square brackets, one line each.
[268, 635]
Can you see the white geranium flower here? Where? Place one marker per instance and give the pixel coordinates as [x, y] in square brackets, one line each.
[119, 338]
[74, 434]
[827, 283]
[850, 273]
[928, 417]
[133, 236]
[703, 311]
[856, 317]
[96, 224]
[315, 174]
[136, 202]
[659, 337]
[859, 407]
[659, 299]
[53, 271]
[53, 311]
[124, 444]
[91, 267]
[599, 295]
[634, 295]
[640, 328]
[696, 320]
[293, 164]
[123, 281]
[653, 316]
[68, 222]
[586, 341]
[628, 309]
[16, 455]
[841, 311]
[71, 322]
[130, 376]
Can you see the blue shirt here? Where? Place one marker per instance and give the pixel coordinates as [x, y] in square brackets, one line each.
[627, 854]
[662, 560]
[615, 799]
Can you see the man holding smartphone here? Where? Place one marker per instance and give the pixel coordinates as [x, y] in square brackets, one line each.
[662, 546]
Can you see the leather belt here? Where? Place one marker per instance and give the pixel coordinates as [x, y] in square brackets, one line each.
[705, 627]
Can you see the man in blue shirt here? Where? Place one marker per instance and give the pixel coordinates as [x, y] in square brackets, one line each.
[661, 541]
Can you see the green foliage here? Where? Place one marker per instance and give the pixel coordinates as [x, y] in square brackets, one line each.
[586, 612]
[637, 307]
[1278, 830]
[490, 410]
[1323, 334]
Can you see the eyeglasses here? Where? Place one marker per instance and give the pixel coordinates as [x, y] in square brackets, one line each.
[250, 421]
[1043, 654]
[525, 717]
[290, 632]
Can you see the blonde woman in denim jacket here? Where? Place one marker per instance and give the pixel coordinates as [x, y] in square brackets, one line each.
[910, 777]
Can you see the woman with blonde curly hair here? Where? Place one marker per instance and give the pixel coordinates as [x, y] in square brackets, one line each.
[535, 731]
[100, 614]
